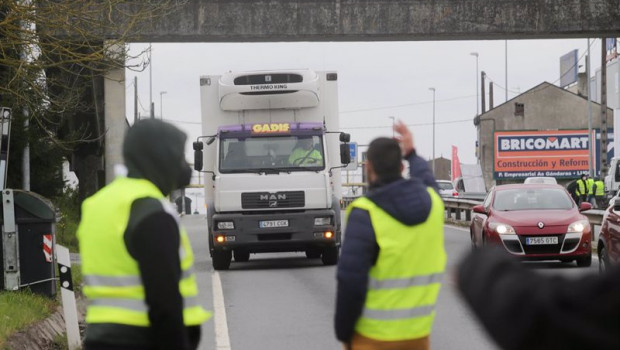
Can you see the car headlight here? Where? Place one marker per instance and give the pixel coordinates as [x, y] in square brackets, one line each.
[225, 225]
[502, 229]
[578, 226]
[322, 221]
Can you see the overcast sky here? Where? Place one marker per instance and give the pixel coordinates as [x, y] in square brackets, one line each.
[376, 80]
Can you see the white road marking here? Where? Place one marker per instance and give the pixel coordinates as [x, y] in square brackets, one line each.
[222, 339]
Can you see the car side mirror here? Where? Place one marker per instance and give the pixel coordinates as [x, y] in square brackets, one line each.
[585, 206]
[197, 155]
[344, 137]
[479, 209]
[345, 153]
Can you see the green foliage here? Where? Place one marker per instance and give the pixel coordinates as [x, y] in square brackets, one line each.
[69, 205]
[20, 309]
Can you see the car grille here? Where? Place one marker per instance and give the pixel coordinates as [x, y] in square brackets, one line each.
[543, 248]
[266, 200]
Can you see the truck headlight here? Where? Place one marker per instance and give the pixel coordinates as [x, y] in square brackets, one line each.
[322, 221]
[578, 226]
[225, 225]
[502, 229]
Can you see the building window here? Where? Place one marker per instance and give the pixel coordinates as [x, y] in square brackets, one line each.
[519, 109]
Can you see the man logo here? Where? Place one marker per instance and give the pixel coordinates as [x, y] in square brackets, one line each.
[541, 225]
[273, 198]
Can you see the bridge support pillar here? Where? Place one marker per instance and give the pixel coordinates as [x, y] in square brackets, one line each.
[114, 110]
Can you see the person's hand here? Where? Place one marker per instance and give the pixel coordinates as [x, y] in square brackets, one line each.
[404, 137]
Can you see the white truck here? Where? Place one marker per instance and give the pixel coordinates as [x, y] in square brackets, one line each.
[273, 153]
[612, 180]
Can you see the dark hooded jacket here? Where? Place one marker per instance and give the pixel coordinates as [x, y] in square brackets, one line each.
[153, 150]
[407, 201]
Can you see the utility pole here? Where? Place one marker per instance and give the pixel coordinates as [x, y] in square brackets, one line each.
[491, 95]
[151, 106]
[482, 93]
[603, 150]
[591, 165]
[135, 99]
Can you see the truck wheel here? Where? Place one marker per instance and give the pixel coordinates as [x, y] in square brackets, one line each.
[221, 259]
[585, 261]
[313, 253]
[241, 255]
[330, 256]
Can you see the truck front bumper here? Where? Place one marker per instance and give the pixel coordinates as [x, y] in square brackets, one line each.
[274, 232]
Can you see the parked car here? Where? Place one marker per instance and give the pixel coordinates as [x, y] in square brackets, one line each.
[446, 189]
[540, 180]
[534, 222]
[608, 248]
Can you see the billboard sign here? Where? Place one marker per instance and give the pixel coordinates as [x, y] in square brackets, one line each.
[558, 153]
[568, 68]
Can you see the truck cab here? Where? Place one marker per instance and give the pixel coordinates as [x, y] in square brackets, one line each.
[273, 153]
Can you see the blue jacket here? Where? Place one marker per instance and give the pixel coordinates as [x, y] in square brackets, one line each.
[407, 201]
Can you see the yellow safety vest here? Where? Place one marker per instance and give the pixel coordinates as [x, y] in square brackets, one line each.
[581, 187]
[405, 280]
[314, 158]
[590, 183]
[112, 281]
[600, 188]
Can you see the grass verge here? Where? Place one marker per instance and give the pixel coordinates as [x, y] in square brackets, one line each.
[20, 309]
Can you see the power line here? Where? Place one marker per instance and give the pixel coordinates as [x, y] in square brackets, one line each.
[409, 125]
[405, 105]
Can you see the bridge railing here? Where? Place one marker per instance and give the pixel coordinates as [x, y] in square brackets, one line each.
[461, 210]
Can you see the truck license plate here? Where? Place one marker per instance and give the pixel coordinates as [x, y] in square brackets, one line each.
[273, 223]
[541, 240]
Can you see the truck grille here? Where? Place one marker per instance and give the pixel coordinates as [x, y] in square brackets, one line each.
[266, 200]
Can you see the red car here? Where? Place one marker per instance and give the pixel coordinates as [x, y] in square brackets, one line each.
[534, 222]
[609, 238]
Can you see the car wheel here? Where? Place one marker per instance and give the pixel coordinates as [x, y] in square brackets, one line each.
[313, 253]
[603, 260]
[330, 256]
[221, 259]
[241, 255]
[584, 261]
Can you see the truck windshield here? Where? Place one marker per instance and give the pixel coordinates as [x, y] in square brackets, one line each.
[271, 153]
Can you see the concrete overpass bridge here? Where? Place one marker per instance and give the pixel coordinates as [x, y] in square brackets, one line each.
[357, 20]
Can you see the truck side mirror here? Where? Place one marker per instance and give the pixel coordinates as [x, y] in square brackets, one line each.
[344, 137]
[345, 153]
[197, 155]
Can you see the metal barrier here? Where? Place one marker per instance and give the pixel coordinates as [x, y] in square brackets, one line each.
[460, 207]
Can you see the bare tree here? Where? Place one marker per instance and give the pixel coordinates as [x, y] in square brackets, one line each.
[52, 63]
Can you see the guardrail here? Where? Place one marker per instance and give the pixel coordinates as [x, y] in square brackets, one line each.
[463, 208]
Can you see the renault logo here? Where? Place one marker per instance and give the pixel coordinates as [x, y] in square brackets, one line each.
[541, 224]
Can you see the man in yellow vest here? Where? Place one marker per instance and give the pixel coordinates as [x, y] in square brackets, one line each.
[137, 261]
[304, 154]
[393, 256]
[598, 188]
[582, 188]
[590, 184]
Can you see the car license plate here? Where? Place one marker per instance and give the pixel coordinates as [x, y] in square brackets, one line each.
[541, 240]
[273, 223]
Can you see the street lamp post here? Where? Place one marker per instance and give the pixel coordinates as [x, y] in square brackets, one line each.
[392, 126]
[477, 89]
[161, 105]
[433, 161]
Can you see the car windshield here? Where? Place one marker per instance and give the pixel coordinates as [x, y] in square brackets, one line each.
[532, 199]
[445, 185]
[271, 154]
